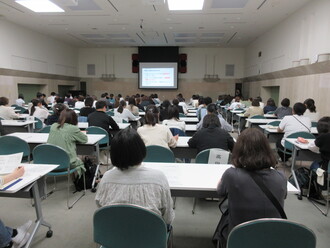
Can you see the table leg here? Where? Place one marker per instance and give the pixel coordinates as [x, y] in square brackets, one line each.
[294, 154]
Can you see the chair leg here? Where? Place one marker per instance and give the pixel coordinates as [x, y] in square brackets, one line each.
[174, 202]
[194, 205]
[68, 192]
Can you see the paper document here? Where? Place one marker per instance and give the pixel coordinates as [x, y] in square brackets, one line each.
[9, 162]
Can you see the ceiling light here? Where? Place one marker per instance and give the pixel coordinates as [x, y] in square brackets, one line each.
[185, 4]
[40, 5]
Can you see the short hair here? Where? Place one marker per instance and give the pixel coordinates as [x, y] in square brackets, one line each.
[175, 102]
[285, 102]
[252, 151]
[207, 100]
[151, 117]
[4, 101]
[323, 125]
[255, 102]
[173, 112]
[127, 149]
[259, 98]
[39, 94]
[58, 108]
[310, 104]
[211, 108]
[166, 104]
[67, 116]
[100, 104]
[271, 102]
[59, 99]
[52, 93]
[89, 101]
[211, 120]
[20, 95]
[81, 98]
[299, 108]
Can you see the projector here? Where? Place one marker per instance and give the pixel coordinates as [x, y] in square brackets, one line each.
[67, 2]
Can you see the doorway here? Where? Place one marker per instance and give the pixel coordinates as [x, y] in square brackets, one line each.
[270, 92]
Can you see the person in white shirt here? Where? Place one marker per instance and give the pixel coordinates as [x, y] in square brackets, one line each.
[6, 112]
[174, 120]
[80, 103]
[311, 110]
[124, 113]
[51, 98]
[184, 105]
[37, 110]
[236, 104]
[291, 124]
[20, 101]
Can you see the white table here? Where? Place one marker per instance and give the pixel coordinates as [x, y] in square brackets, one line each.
[252, 121]
[189, 119]
[27, 188]
[195, 180]
[182, 149]
[142, 113]
[191, 114]
[84, 125]
[192, 110]
[191, 128]
[18, 125]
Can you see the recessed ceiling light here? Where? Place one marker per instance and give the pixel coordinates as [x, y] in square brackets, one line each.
[40, 5]
[185, 4]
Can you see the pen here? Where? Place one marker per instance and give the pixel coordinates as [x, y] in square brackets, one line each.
[12, 184]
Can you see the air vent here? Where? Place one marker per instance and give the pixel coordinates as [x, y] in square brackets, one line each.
[230, 70]
[91, 69]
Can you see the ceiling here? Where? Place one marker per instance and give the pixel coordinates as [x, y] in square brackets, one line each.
[131, 23]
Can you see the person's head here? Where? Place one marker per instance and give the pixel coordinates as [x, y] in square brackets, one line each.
[21, 96]
[111, 95]
[285, 102]
[211, 108]
[131, 101]
[39, 95]
[255, 102]
[101, 105]
[58, 108]
[152, 115]
[201, 100]
[89, 101]
[166, 104]
[207, 100]
[4, 101]
[80, 98]
[103, 95]
[122, 105]
[35, 103]
[67, 116]
[237, 98]
[52, 93]
[271, 102]
[173, 112]
[175, 102]
[180, 95]
[127, 149]
[310, 105]
[211, 120]
[299, 108]
[252, 151]
[59, 99]
[323, 125]
[259, 98]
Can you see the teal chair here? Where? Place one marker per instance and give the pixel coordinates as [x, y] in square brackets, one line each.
[52, 154]
[1, 118]
[45, 129]
[123, 226]
[38, 125]
[21, 109]
[110, 113]
[159, 154]
[274, 123]
[104, 142]
[258, 117]
[271, 233]
[182, 115]
[314, 123]
[12, 144]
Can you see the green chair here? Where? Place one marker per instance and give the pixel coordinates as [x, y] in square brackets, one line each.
[182, 115]
[38, 125]
[314, 123]
[271, 233]
[123, 226]
[51, 154]
[159, 154]
[1, 118]
[104, 142]
[12, 144]
[21, 109]
[258, 117]
[274, 123]
[270, 112]
[110, 113]
[45, 129]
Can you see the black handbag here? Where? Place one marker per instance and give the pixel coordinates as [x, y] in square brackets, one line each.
[221, 232]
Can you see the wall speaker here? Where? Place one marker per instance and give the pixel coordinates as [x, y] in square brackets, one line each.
[183, 63]
[135, 63]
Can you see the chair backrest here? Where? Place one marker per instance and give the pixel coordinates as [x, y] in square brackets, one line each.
[274, 123]
[213, 156]
[181, 115]
[1, 118]
[159, 154]
[123, 226]
[176, 131]
[258, 117]
[82, 118]
[38, 125]
[305, 135]
[314, 123]
[51, 154]
[12, 144]
[270, 112]
[110, 113]
[45, 129]
[99, 130]
[271, 233]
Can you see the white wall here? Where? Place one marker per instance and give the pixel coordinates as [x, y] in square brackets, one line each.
[24, 49]
[305, 34]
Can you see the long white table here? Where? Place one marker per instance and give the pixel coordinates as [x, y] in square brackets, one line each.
[18, 125]
[195, 180]
[189, 119]
[29, 187]
[84, 125]
[182, 149]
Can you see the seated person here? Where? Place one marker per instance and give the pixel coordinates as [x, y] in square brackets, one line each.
[202, 109]
[132, 106]
[80, 103]
[212, 109]
[255, 109]
[291, 124]
[38, 110]
[124, 113]
[236, 104]
[284, 110]
[20, 100]
[65, 133]
[163, 115]
[132, 183]
[6, 112]
[174, 120]
[85, 111]
[270, 106]
[252, 155]
[58, 108]
[183, 105]
[153, 133]
[311, 110]
[175, 102]
[100, 119]
[211, 136]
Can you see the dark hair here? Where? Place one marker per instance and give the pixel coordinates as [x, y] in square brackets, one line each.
[81, 98]
[173, 112]
[299, 108]
[122, 104]
[207, 100]
[255, 102]
[175, 102]
[89, 101]
[59, 99]
[39, 94]
[67, 116]
[211, 108]
[166, 104]
[151, 117]
[20, 95]
[127, 149]
[271, 102]
[58, 108]
[131, 101]
[100, 104]
[310, 104]
[4, 100]
[259, 98]
[35, 103]
[211, 120]
[201, 100]
[52, 93]
[285, 102]
[323, 125]
[252, 151]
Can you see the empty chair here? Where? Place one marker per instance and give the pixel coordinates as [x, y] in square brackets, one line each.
[38, 125]
[271, 233]
[52, 154]
[123, 226]
[11, 145]
[213, 155]
[159, 154]
[274, 123]
[45, 129]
